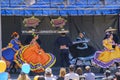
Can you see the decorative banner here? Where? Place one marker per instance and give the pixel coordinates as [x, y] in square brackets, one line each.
[45, 28]
[59, 22]
[31, 22]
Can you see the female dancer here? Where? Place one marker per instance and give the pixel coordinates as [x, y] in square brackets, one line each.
[110, 54]
[80, 48]
[9, 51]
[34, 55]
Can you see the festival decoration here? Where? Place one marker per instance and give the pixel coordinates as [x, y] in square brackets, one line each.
[31, 22]
[2, 66]
[59, 22]
[26, 68]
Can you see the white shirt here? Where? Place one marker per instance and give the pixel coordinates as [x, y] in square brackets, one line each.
[89, 76]
[50, 78]
[72, 76]
[108, 78]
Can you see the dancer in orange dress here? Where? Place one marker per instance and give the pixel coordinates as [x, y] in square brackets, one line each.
[34, 55]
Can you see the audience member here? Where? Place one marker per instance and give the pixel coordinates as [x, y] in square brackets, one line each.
[3, 75]
[89, 75]
[41, 77]
[62, 74]
[80, 73]
[36, 77]
[107, 75]
[71, 75]
[117, 76]
[23, 76]
[49, 75]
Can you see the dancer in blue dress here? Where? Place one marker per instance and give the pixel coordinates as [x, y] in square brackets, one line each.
[9, 51]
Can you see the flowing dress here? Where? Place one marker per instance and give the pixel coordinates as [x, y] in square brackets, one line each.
[9, 51]
[109, 55]
[80, 48]
[34, 55]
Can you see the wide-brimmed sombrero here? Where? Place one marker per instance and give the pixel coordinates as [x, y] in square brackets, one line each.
[110, 29]
[63, 31]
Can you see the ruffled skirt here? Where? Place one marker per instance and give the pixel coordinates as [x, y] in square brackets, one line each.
[38, 61]
[107, 58]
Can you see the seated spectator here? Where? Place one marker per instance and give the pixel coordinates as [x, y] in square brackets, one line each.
[71, 75]
[36, 77]
[62, 74]
[23, 76]
[79, 72]
[39, 77]
[49, 75]
[107, 75]
[3, 75]
[117, 76]
[89, 75]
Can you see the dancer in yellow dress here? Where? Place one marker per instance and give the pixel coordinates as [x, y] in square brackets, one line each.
[110, 54]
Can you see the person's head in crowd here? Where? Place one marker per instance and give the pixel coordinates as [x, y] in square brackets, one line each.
[79, 71]
[108, 76]
[23, 76]
[41, 78]
[37, 77]
[15, 35]
[71, 68]
[3, 75]
[48, 72]
[87, 68]
[62, 72]
[117, 75]
[107, 73]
